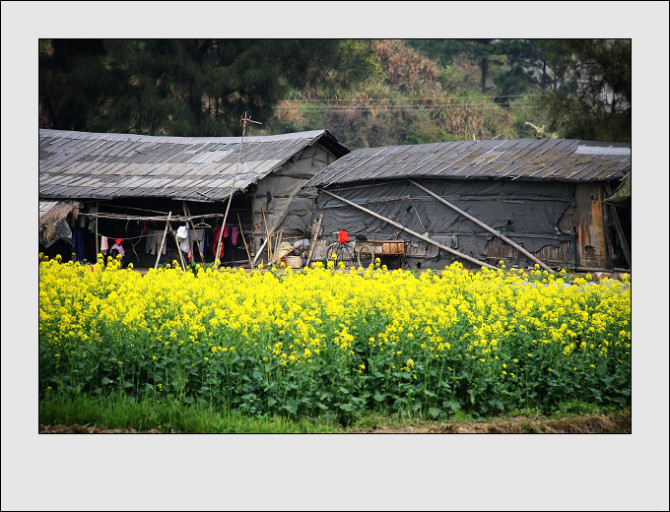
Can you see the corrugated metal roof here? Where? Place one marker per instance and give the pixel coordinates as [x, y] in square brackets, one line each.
[82, 165]
[527, 159]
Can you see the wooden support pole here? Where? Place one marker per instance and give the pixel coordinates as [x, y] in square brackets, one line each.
[181, 256]
[187, 212]
[277, 222]
[167, 224]
[481, 224]
[619, 228]
[269, 241]
[97, 242]
[275, 253]
[622, 236]
[246, 247]
[411, 232]
[315, 235]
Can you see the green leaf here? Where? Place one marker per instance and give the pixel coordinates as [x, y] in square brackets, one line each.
[106, 381]
[379, 397]
[452, 405]
[291, 406]
[434, 412]
[271, 402]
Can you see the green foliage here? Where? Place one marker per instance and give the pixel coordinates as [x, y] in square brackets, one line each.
[167, 415]
[184, 87]
[366, 92]
[113, 357]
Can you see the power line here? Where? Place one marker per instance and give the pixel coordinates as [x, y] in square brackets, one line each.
[410, 109]
[340, 100]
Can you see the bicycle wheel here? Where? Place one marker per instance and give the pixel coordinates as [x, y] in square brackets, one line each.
[366, 255]
[343, 253]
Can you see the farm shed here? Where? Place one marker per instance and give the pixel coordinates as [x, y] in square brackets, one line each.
[125, 187]
[520, 201]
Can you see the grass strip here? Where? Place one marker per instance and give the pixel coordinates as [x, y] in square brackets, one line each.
[164, 415]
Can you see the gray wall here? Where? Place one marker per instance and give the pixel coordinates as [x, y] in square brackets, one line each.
[527, 212]
[291, 205]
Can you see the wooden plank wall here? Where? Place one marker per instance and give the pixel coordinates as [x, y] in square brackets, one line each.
[589, 225]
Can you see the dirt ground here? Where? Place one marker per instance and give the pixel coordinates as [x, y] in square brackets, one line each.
[615, 423]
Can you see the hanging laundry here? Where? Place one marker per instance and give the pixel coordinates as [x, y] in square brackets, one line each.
[156, 239]
[233, 235]
[149, 242]
[78, 243]
[200, 236]
[215, 233]
[104, 244]
[183, 238]
[92, 220]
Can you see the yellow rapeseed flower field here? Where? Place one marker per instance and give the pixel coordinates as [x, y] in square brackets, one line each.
[334, 340]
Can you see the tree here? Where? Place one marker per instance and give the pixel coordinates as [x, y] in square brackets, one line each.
[596, 104]
[184, 87]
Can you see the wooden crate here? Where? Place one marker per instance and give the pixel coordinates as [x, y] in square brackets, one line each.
[393, 247]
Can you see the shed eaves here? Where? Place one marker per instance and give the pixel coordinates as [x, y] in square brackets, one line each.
[82, 165]
[516, 159]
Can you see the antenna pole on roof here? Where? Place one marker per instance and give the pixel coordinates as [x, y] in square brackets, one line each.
[243, 121]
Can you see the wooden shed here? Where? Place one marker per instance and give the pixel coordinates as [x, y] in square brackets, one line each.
[128, 185]
[520, 201]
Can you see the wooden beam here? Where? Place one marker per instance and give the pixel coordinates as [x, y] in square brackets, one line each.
[187, 212]
[246, 247]
[167, 224]
[278, 220]
[481, 224]
[177, 218]
[97, 242]
[181, 256]
[411, 232]
[315, 235]
[619, 228]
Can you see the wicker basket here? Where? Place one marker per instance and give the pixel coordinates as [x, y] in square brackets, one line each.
[294, 261]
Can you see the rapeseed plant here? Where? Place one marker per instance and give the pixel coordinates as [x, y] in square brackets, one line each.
[335, 340]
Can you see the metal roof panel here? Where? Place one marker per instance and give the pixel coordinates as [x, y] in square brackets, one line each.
[129, 162]
[529, 159]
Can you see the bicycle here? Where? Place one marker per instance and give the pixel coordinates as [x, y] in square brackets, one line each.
[350, 253]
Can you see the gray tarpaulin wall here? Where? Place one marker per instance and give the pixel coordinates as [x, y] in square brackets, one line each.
[526, 212]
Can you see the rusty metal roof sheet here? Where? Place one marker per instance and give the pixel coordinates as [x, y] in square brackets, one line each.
[520, 159]
[81, 165]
